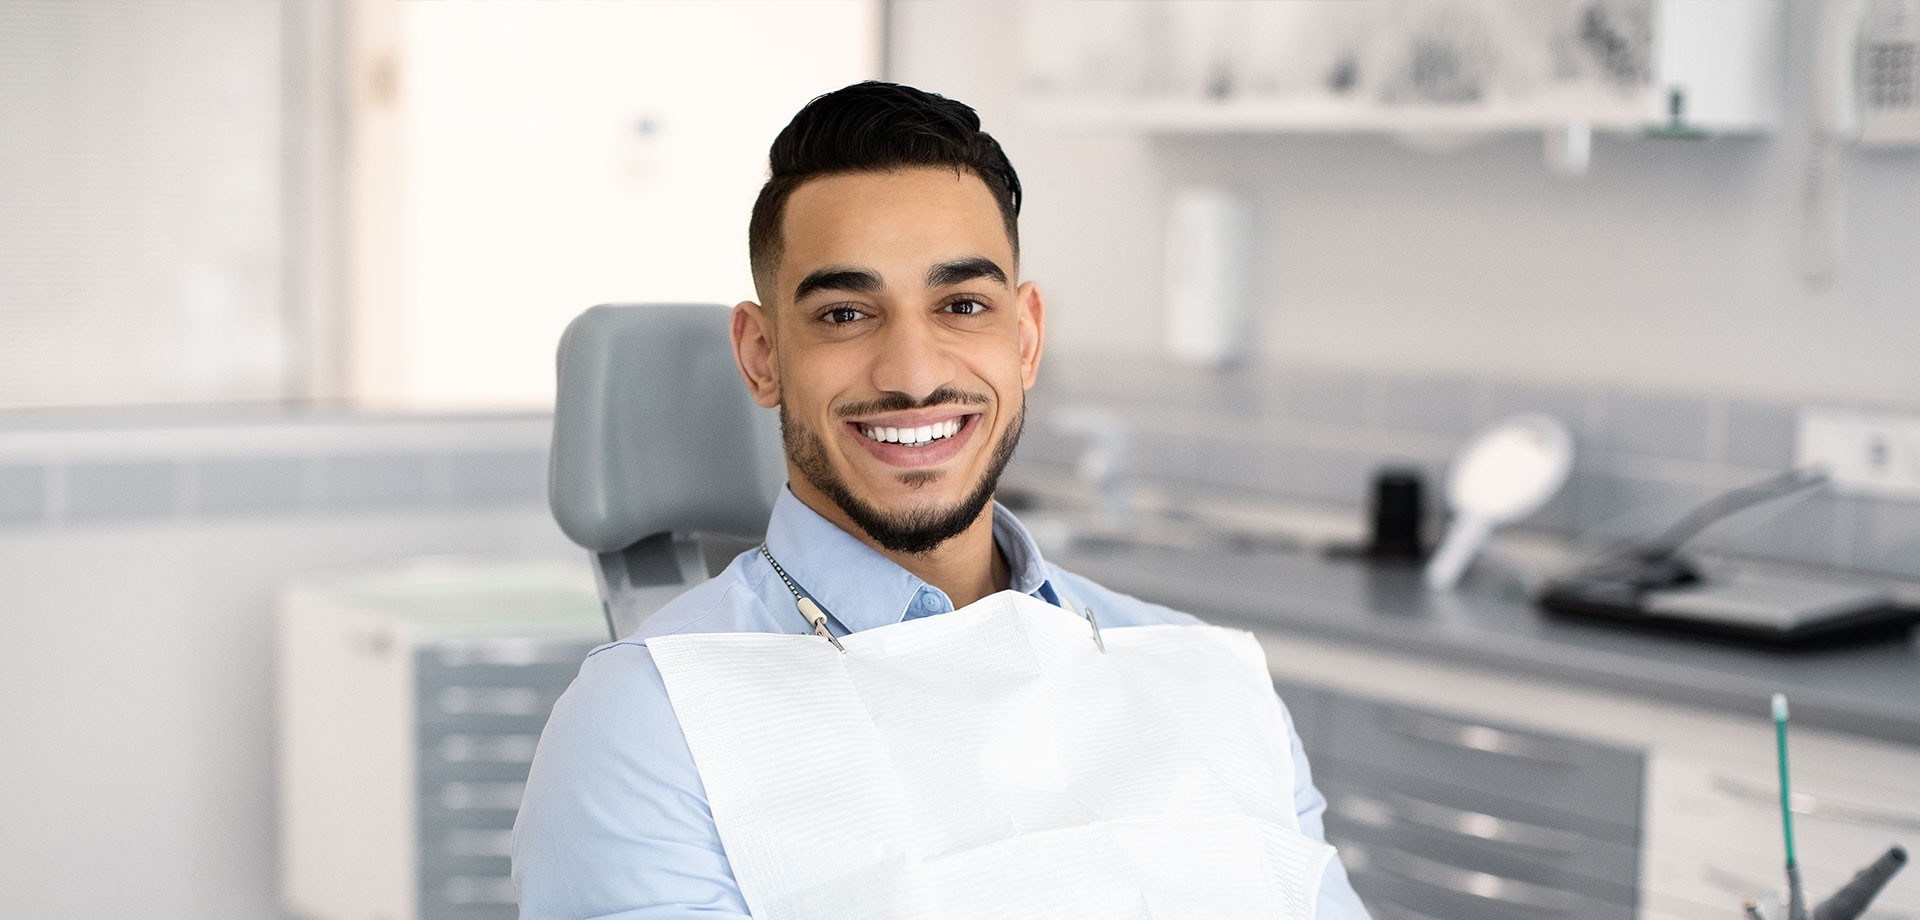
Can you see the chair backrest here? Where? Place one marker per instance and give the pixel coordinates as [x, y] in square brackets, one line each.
[657, 446]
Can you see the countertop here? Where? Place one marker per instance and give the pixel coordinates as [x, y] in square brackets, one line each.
[1872, 691]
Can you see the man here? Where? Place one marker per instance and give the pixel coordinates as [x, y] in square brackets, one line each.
[898, 342]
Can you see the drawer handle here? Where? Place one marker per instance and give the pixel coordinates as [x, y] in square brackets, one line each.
[462, 700]
[1483, 738]
[1482, 826]
[1816, 806]
[512, 652]
[478, 842]
[1485, 886]
[1458, 822]
[474, 748]
[476, 890]
[481, 796]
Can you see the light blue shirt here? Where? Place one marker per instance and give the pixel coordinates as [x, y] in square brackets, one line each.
[615, 821]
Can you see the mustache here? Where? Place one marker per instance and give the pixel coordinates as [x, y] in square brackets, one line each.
[896, 401]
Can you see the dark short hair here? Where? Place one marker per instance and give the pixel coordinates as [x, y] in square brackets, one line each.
[869, 127]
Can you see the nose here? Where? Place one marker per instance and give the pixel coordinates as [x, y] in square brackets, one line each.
[912, 357]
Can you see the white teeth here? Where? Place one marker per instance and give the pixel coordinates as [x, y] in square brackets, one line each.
[914, 436]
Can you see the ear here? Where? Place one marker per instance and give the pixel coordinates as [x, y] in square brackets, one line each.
[753, 353]
[1032, 311]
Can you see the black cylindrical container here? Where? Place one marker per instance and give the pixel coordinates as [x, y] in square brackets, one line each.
[1399, 510]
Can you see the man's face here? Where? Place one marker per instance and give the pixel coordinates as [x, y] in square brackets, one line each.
[898, 349]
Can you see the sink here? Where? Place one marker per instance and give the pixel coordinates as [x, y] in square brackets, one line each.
[1066, 516]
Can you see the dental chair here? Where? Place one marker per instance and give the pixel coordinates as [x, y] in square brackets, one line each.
[662, 468]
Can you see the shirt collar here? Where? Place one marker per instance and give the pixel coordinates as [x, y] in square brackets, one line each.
[863, 589]
[1029, 571]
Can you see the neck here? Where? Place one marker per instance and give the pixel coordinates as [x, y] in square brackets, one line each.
[966, 568]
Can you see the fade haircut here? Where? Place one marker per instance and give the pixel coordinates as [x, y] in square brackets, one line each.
[873, 127]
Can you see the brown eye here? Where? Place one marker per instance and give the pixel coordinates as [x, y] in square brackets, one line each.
[965, 307]
[842, 315]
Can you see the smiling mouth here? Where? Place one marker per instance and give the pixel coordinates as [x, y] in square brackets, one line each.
[920, 436]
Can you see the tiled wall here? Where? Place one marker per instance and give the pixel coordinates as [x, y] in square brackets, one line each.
[66, 475]
[1317, 435]
[1311, 435]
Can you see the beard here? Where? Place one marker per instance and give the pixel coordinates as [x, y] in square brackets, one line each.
[916, 530]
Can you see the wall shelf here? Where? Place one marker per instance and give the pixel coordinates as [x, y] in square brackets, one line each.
[1407, 67]
[1178, 116]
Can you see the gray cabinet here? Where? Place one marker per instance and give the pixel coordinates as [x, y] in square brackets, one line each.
[479, 715]
[1438, 817]
[411, 699]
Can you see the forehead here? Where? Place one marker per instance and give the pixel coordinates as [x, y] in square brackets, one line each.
[895, 223]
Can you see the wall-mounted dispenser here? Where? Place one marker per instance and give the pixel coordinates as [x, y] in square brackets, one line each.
[1210, 286]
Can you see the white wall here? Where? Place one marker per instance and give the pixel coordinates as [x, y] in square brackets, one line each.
[137, 702]
[1671, 267]
[141, 180]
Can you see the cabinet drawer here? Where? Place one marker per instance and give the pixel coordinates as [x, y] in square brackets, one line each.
[1399, 886]
[447, 755]
[478, 802]
[1495, 845]
[1563, 775]
[466, 889]
[487, 896]
[1714, 834]
[465, 707]
[465, 855]
[499, 662]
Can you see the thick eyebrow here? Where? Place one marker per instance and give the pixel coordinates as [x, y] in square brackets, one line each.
[961, 270]
[851, 280]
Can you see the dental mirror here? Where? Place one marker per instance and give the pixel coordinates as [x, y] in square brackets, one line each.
[1504, 474]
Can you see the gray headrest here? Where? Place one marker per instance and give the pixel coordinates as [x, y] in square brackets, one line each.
[653, 430]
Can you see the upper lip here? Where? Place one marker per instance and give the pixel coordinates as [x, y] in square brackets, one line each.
[915, 419]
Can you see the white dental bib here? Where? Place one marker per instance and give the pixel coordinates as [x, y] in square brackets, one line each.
[993, 763]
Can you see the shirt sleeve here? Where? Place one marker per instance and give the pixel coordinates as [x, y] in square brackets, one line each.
[614, 822]
[1337, 899]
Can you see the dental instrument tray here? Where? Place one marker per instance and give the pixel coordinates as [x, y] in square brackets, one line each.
[1653, 585]
[1771, 611]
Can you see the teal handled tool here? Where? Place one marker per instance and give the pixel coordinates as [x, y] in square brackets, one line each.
[1852, 899]
[1796, 897]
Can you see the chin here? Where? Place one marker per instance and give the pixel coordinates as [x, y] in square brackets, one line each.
[917, 521]
[912, 525]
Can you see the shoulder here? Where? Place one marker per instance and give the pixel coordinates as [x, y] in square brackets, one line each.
[616, 699]
[613, 818]
[1112, 607]
[613, 785]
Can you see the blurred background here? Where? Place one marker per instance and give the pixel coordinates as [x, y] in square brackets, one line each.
[281, 283]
